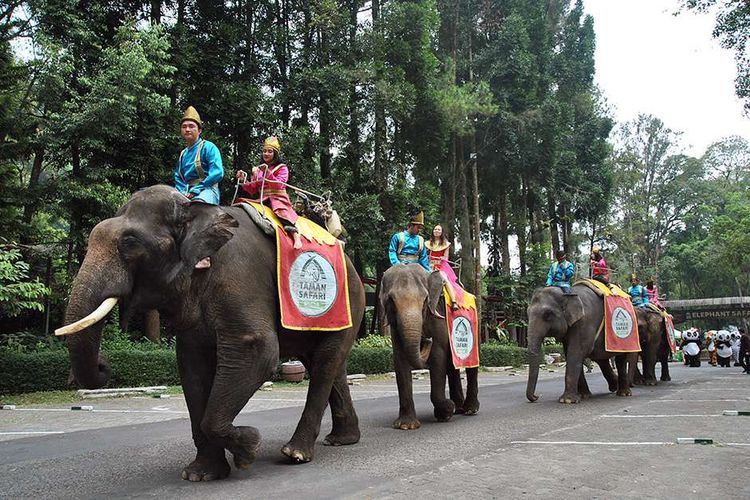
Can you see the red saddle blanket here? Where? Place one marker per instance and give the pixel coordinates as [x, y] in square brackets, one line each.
[669, 325]
[313, 284]
[463, 331]
[620, 325]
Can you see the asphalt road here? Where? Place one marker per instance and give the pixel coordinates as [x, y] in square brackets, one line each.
[605, 447]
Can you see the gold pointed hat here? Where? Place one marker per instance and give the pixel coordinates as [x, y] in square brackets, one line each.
[417, 218]
[192, 114]
[633, 276]
[273, 143]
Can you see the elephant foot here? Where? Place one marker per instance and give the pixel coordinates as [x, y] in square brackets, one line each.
[459, 407]
[406, 423]
[651, 382]
[444, 410]
[246, 448]
[625, 392]
[298, 454]
[569, 399]
[586, 395]
[666, 378]
[341, 439]
[203, 469]
[469, 408]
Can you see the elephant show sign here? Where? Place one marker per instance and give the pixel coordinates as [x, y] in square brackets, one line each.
[463, 332]
[621, 325]
[313, 285]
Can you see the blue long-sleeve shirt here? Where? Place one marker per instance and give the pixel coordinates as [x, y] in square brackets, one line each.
[413, 250]
[638, 295]
[186, 178]
[560, 274]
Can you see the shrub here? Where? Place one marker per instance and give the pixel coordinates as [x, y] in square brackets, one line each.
[493, 354]
[370, 360]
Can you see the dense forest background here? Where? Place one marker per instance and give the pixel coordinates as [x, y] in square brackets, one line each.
[482, 113]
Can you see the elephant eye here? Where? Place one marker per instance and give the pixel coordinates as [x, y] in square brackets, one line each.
[130, 247]
[547, 315]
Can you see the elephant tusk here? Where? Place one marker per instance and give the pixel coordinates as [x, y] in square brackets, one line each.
[96, 316]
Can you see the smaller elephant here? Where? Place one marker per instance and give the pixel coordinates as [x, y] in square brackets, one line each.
[412, 307]
[574, 319]
[652, 331]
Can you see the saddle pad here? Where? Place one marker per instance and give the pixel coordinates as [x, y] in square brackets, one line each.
[463, 331]
[313, 285]
[669, 326]
[307, 228]
[621, 325]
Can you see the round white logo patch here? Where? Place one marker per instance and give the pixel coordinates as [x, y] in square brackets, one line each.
[622, 323]
[312, 283]
[463, 337]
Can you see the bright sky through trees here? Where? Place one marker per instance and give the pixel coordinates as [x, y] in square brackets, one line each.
[650, 61]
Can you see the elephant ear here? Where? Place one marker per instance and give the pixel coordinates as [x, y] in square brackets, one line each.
[573, 309]
[435, 292]
[206, 231]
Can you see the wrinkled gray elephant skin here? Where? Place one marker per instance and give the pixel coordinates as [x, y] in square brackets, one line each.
[413, 308]
[573, 320]
[225, 318]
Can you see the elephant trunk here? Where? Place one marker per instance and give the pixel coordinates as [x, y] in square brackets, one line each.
[102, 276]
[416, 347]
[535, 337]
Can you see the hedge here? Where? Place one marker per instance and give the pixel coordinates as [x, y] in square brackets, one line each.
[49, 370]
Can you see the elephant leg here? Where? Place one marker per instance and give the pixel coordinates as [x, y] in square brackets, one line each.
[443, 407]
[455, 388]
[573, 369]
[583, 386]
[471, 405]
[649, 366]
[609, 374]
[623, 381]
[197, 364]
[407, 415]
[247, 362]
[664, 354]
[345, 428]
[328, 362]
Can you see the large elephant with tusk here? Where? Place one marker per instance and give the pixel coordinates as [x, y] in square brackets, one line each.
[412, 307]
[225, 318]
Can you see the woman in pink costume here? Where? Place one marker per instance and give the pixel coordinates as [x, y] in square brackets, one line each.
[439, 250]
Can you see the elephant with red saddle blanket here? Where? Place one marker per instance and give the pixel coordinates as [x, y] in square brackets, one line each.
[225, 318]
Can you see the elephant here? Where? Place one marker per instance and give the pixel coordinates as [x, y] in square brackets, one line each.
[654, 348]
[574, 320]
[225, 319]
[412, 306]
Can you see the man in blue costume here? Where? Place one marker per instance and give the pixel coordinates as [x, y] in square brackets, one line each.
[199, 167]
[561, 272]
[408, 247]
[638, 293]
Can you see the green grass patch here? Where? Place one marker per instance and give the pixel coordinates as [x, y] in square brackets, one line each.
[40, 398]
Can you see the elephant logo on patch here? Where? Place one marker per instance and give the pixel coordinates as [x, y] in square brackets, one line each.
[462, 337]
[312, 284]
[622, 323]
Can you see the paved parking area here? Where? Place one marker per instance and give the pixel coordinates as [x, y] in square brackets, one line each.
[605, 447]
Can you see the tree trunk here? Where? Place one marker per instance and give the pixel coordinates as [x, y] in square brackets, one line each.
[553, 231]
[465, 229]
[503, 231]
[151, 326]
[30, 205]
[155, 11]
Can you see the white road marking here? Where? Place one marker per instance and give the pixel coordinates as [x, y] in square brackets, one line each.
[660, 416]
[102, 411]
[598, 443]
[19, 433]
[697, 400]
[616, 443]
